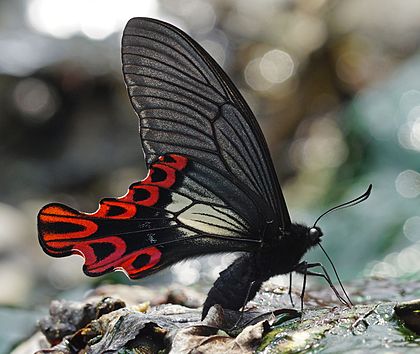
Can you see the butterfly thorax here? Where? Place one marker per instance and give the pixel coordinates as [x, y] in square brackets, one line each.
[281, 254]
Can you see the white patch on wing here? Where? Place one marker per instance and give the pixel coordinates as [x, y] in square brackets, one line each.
[213, 220]
[178, 203]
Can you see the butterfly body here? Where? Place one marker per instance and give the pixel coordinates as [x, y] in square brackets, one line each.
[211, 185]
[240, 282]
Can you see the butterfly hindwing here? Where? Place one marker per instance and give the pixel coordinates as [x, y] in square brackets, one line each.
[161, 220]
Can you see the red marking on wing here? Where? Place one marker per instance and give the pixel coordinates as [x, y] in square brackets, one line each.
[167, 182]
[178, 162]
[60, 215]
[93, 263]
[64, 231]
[151, 193]
[132, 271]
[129, 210]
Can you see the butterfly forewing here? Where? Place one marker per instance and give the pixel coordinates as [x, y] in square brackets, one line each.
[187, 105]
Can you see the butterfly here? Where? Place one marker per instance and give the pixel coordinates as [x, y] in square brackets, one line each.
[211, 185]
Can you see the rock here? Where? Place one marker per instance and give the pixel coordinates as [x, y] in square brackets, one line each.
[268, 325]
[409, 313]
[66, 317]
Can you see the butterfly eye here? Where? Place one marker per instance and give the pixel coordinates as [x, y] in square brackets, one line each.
[314, 234]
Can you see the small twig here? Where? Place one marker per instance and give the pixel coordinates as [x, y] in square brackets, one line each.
[362, 319]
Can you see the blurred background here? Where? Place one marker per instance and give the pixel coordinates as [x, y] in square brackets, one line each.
[335, 86]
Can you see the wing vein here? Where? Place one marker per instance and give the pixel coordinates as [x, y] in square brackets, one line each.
[216, 217]
[230, 216]
[206, 98]
[171, 48]
[170, 100]
[181, 146]
[190, 126]
[216, 225]
[260, 158]
[177, 69]
[247, 172]
[175, 132]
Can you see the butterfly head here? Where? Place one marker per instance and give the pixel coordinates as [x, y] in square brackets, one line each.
[314, 235]
[302, 237]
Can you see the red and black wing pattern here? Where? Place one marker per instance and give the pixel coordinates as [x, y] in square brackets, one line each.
[154, 225]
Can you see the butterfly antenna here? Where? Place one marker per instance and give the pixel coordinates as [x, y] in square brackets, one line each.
[336, 274]
[348, 204]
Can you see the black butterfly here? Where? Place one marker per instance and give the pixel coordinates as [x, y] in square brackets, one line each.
[211, 185]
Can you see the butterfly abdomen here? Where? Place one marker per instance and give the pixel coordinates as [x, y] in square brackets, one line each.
[236, 284]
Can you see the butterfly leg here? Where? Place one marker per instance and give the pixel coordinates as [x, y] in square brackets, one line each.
[328, 279]
[248, 294]
[324, 275]
[302, 294]
[301, 268]
[247, 298]
[290, 289]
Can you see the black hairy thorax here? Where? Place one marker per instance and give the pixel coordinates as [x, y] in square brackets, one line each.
[281, 256]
